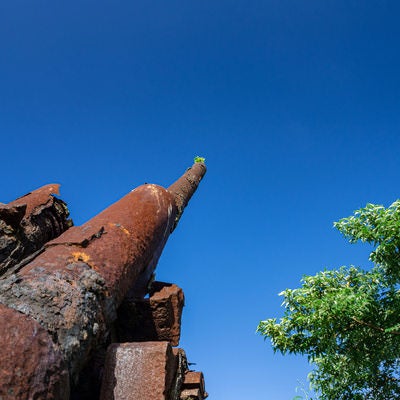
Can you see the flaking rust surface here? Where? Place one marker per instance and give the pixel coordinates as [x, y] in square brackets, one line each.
[184, 187]
[27, 223]
[124, 240]
[37, 198]
[138, 371]
[69, 303]
[31, 365]
[167, 303]
[157, 318]
[59, 300]
[74, 287]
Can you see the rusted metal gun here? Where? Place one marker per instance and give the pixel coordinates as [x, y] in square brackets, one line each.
[58, 307]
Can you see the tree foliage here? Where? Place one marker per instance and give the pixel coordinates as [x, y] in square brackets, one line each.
[347, 321]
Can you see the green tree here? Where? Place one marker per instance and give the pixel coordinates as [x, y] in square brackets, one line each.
[347, 321]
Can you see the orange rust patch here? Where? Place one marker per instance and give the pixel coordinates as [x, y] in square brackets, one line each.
[80, 256]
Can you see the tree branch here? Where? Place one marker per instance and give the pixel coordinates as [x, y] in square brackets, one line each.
[374, 327]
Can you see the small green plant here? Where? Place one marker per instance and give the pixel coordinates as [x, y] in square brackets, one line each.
[199, 159]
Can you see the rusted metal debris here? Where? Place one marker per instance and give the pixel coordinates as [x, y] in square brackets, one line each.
[73, 286]
[193, 386]
[27, 223]
[142, 362]
[155, 318]
[151, 371]
[31, 365]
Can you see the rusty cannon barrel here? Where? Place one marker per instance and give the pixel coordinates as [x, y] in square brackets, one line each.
[66, 297]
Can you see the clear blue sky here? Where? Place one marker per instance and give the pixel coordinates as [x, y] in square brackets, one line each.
[295, 105]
